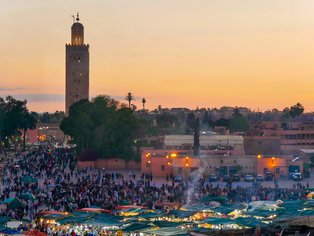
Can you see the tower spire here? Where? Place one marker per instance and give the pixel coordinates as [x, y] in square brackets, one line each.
[77, 17]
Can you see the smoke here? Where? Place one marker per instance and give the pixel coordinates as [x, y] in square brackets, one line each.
[194, 184]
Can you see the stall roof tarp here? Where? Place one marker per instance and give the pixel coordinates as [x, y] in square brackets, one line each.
[13, 203]
[105, 220]
[166, 231]
[138, 227]
[151, 215]
[182, 214]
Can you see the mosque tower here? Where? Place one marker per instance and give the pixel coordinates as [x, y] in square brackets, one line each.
[77, 66]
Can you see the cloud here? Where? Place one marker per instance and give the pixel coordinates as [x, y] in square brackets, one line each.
[37, 97]
[11, 89]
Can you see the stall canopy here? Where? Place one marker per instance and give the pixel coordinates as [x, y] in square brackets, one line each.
[13, 203]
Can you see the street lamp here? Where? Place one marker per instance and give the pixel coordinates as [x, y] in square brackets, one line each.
[186, 166]
[273, 165]
[148, 157]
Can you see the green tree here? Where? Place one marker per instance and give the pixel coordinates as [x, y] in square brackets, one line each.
[238, 122]
[190, 123]
[49, 118]
[166, 120]
[103, 126]
[28, 123]
[296, 110]
[14, 118]
[222, 122]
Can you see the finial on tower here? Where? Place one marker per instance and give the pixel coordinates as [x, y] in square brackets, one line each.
[77, 17]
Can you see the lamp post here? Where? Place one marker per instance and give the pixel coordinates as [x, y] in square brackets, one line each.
[186, 166]
[273, 165]
[259, 157]
[148, 162]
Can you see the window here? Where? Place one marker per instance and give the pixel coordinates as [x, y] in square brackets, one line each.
[180, 170]
[163, 168]
[221, 161]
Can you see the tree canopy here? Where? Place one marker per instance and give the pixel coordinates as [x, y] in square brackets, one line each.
[104, 126]
[238, 122]
[294, 111]
[14, 118]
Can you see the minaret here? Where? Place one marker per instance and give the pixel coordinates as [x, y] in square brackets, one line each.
[77, 66]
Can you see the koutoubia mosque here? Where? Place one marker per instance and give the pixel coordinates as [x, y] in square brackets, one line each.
[77, 66]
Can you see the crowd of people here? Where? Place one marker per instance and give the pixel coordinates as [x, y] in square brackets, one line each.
[61, 186]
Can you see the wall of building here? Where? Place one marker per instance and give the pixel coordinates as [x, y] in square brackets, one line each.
[279, 166]
[254, 145]
[111, 164]
[179, 162]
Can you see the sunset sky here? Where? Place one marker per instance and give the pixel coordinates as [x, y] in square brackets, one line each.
[175, 53]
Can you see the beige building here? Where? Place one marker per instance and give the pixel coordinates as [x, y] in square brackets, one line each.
[228, 145]
[77, 66]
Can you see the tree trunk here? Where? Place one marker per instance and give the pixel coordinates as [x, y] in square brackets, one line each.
[24, 141]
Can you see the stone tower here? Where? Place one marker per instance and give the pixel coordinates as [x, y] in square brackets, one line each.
[77, 66]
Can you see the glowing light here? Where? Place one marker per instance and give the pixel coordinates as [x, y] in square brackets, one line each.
[173, 154]
[259, 156]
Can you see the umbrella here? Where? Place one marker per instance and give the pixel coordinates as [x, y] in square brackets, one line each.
[13, 203]
[27, 196]
[29, 179]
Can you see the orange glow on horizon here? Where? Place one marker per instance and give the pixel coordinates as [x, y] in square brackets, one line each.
[180, 53]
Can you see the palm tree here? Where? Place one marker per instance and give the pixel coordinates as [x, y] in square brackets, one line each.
[143, 101]
[129, 98]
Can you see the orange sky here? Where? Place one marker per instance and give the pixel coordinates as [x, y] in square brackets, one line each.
[176, 53]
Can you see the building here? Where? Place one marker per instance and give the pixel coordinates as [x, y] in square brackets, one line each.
[162, 163]
[227, 145]
[273, 137]
[45, 132]
[279, 166]
[77, 66]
